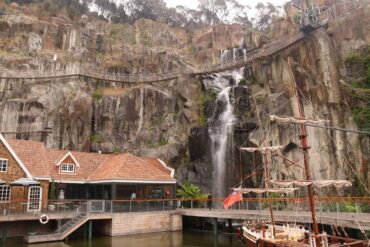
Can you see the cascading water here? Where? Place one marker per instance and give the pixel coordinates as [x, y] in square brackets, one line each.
[222, 120]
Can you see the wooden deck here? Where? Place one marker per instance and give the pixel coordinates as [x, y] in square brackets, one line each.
[350, 220]
[60, 236]
[52, 216]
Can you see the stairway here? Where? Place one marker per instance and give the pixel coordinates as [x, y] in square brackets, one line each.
[61, 233]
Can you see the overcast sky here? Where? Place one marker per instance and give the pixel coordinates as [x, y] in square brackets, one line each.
[194, 3]
[251, 3]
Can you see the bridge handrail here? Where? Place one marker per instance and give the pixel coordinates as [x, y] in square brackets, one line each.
[269, 49]
[73, 206]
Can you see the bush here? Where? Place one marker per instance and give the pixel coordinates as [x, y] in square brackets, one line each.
[361, 115]
[97, 95]
[190, 191]
[95, 139]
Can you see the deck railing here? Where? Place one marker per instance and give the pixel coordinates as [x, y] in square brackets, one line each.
[323, 204]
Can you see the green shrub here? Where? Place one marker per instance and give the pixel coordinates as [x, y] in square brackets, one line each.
[243, 82]
[348, 207]
[361, 115]
[95, 139]
[97, 95]
[190, 191]
[354, 58]
[297, 19]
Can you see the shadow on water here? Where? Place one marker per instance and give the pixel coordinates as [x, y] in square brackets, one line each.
[164, 239]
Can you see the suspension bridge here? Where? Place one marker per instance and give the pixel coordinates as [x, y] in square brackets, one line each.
[337, 10]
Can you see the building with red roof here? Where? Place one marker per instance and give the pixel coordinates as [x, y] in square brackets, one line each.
[28, 170]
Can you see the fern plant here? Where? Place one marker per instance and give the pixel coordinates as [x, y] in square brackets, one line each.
[190, 191]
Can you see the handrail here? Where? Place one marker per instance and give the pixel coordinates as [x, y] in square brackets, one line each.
[255, 55]
[83, 71]
[285, 199]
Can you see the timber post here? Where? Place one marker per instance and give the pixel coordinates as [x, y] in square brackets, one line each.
[215, 228]
[90, 229]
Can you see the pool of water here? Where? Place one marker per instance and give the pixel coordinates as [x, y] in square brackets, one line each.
[165, 239]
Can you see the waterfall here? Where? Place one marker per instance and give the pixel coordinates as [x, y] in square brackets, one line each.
[222, 120]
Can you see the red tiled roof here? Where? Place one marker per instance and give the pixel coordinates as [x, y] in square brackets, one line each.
[129, 167]
[33, 155]
[41, 162]
[88, 163]
[156, 163]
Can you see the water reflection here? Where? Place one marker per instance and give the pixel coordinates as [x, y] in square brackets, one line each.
[165, 239]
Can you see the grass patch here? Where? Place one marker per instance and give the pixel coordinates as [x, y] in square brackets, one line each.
[204, 100]
[260, 99]
[96, 139]
[97, 95]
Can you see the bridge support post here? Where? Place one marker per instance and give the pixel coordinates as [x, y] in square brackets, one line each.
[4, 233]
[90, 229]
[32, 227]
[215, 228]
[85, 230]
[230, 225]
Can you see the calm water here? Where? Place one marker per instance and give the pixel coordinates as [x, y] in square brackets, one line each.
[166, 239]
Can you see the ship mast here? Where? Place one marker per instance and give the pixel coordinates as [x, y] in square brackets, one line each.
[267, 185]
[266, 173]
[304, 145]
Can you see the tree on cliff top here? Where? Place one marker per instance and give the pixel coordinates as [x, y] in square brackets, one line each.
[266, 13]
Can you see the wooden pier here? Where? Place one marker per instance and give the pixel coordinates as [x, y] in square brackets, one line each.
[127, 217]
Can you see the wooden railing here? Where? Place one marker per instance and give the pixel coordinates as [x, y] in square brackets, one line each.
[82, 71]
[339, 9]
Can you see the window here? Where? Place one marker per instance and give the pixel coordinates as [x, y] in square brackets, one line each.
[3, 165]
[4, 193]
[34, 198]
[67, 168]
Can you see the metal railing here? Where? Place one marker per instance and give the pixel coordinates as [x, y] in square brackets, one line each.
[323, 204]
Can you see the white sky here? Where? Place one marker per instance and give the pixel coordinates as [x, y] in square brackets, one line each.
[194, 3]
[251, 3]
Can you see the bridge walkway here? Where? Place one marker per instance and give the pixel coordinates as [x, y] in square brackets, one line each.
[350, 220]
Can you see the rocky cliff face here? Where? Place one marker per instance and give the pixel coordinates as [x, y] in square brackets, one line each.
[169, 119]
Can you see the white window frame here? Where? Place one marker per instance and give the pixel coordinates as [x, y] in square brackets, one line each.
[6, 167]
[32, 202]
[67, 166]
[9, 193]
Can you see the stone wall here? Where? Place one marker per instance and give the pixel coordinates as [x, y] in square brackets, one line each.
[137, 223]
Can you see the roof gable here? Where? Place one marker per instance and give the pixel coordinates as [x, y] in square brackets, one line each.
[68, 154]
[15, 156]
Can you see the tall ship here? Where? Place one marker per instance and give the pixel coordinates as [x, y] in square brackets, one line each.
[270, 233]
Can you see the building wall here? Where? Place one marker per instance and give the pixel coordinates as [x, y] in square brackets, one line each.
[18, 194]
[45, 193]
[14, 170]
[137, 223]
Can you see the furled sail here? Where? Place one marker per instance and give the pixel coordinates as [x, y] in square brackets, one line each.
[296, 120]
[339, 184]
[260, 191]
[262, 149]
